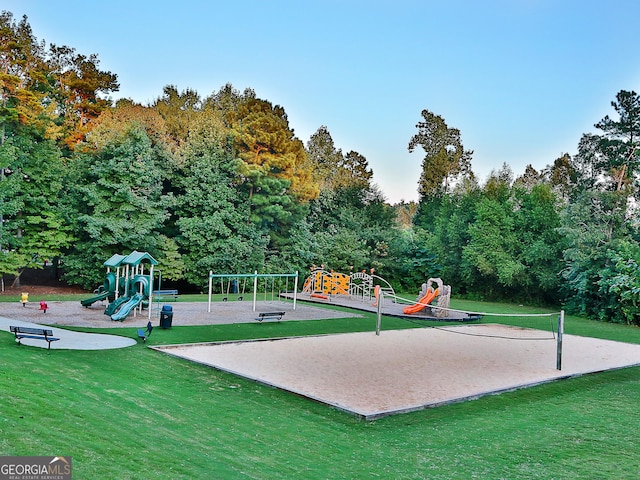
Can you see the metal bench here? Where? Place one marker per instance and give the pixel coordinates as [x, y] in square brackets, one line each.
[144, 334]
[35, 333]
[269, 315]
[166, 293]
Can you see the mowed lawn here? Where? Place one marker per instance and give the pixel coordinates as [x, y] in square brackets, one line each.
[135, 413]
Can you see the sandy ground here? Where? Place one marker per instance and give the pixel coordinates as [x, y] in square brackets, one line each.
[368, 375]
[405, 370]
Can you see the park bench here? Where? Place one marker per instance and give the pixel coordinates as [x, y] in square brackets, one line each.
[268, 315]
[36, 333]
[144, 334]
[166, 293]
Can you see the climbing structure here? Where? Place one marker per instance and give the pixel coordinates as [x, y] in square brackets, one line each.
[432, 294]
[127, 285]
[356, 285]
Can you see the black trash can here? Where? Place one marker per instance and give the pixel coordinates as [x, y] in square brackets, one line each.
[166, 316]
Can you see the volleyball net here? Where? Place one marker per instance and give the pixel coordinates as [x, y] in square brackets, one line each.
[509, 326]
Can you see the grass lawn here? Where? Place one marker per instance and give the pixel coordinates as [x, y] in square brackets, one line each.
[134, 413]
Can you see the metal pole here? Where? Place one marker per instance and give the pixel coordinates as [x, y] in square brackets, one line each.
[379, 321]
[295, 289]
[560, 333]
[255, 289]
[151, 290]
[210, 286]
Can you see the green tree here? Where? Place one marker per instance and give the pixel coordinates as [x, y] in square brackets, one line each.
[31, 170]
[539, 245]
[353, 226]
[492, 246]
[445, 157]
[33, 227]
[117, 203]
[179, 110]
[448, 234]
[620, 286]
[618, 144]
[325, 158]
[596, 223]
[268, 147]
[11, 203]
[211, 217]
[562, 176]
[23, 82]
[79, 90]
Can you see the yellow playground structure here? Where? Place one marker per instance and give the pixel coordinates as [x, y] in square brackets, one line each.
[322, 283]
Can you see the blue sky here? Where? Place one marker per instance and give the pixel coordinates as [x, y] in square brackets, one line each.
[521, 79]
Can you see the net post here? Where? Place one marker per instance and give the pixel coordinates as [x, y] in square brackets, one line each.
[379, 319]
[255, 289]
[295, 289]
[210, 288]
[560, 332]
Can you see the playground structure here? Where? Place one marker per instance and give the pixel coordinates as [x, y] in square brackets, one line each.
[127, 285]
[433, 289]
[369, 292]
[230, 284]
[358, 285]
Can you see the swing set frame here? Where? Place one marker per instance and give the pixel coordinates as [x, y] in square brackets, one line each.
[255, 276]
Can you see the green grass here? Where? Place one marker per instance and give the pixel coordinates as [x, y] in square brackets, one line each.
[136, 413]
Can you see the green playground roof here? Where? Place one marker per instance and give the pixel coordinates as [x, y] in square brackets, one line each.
[136, 258]
[114, 261]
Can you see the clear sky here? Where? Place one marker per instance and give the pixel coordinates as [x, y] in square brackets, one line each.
[521, 79]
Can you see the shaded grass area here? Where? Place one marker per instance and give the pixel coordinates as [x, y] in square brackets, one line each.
[136, 413]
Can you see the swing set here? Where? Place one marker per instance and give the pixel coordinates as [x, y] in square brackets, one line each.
[267, 279]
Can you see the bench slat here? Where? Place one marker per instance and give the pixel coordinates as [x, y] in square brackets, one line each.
[38, 337]
[262, 316]
[31, 330]
[166, 293]
[34, 333]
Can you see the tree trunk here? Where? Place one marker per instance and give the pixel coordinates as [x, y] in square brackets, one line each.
[16, 281]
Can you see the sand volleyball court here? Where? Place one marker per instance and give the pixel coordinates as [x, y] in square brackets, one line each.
[405, 370]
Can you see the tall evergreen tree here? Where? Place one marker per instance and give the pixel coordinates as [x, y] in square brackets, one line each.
[596, 224]
[117, 202]
[79, 90]
[212, 218]
[445, 157]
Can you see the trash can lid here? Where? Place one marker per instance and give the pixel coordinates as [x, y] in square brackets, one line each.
[167, 308]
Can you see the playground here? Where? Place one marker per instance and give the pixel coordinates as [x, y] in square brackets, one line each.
[363, 374]
[368, 374]
[72, 314]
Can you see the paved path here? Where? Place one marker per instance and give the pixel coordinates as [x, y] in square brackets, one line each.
[68, 339]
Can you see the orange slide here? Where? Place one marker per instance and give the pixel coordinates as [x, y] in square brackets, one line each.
[422, 303]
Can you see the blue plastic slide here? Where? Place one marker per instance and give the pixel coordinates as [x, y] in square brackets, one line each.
[89, 301]
[126, 308]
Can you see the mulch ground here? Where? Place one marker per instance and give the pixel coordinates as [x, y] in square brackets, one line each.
[36, 290]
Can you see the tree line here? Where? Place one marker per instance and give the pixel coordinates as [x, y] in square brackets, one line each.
[222, 183]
